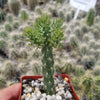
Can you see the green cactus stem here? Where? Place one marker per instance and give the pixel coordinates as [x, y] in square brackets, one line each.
[48, 70]
[46, 34]
[90, 17]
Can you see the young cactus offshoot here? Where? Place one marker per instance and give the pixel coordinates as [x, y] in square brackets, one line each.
[46, 34]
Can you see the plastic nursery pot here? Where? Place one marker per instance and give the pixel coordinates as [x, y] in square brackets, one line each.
[37, 77]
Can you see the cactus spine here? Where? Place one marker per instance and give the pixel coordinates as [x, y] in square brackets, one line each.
[14, 6]
[47, 34]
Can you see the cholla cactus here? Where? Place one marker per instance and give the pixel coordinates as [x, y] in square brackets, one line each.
[79, 70]
[2, 16]
[46, 34]
[14, 6]
[24, 15]
[31, 4]
[90, 17]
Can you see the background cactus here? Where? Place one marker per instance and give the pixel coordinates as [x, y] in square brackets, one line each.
[2, 16]
[88, 82]
[24, 15]
[14, 6]
[43, 37]
[90, 17]
[8, 27]
[79, 70]
[31, 4]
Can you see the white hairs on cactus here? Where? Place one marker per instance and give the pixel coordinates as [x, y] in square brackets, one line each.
[84, 49]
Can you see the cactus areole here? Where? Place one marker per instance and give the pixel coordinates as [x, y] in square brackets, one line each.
[46, 34]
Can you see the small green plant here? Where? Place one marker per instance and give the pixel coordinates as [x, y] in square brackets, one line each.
[24, 15]
[90, 17]
[14, 6]
[8, 27]
[4, 34]
[31, 4]
[46, 34]
[2, 16]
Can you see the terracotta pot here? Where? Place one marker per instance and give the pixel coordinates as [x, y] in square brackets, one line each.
[37, 77]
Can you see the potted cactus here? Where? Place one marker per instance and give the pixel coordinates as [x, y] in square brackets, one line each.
[46, 34]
